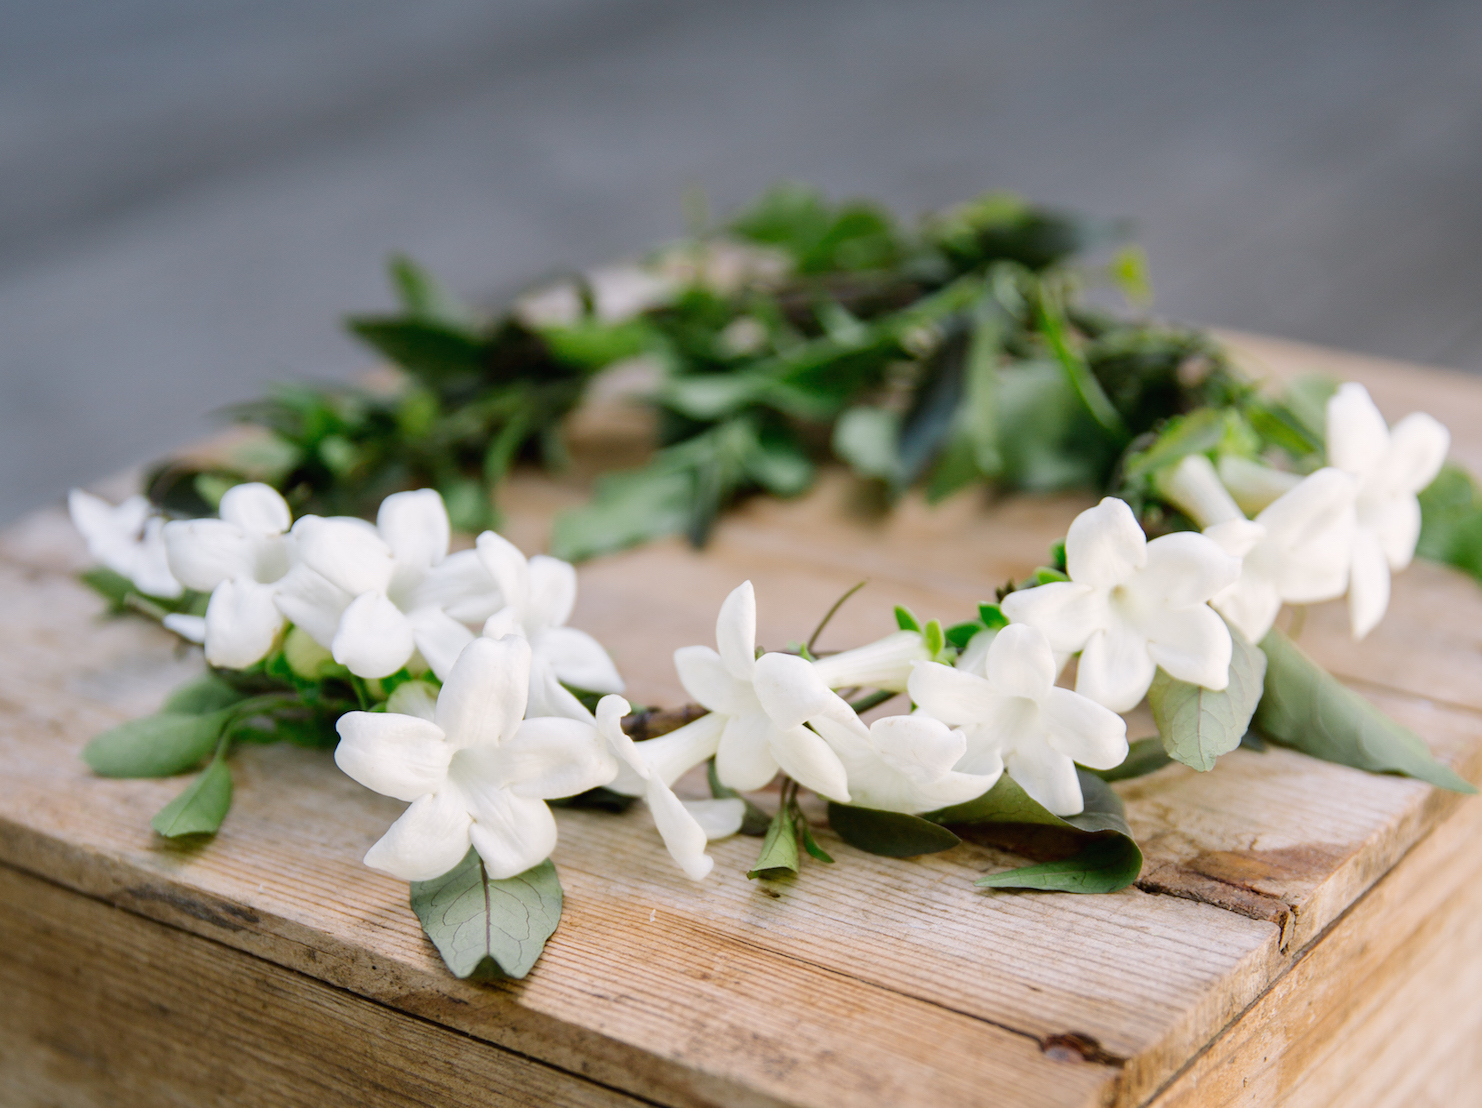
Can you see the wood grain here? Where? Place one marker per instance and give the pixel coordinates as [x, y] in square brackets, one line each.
[873, 981]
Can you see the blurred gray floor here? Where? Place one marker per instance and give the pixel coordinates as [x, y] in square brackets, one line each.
[192, 194]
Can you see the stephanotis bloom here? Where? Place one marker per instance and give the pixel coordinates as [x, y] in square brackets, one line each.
[127, 539]
[1131, 606]
[1390, 466]
[376, 595]
[474, 773]
[538, 595]
[240, 559]
[686, 826]
[748, 744]
[1295, 551]
[1015, 718]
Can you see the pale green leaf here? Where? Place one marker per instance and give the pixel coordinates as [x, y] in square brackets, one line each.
[200, 809]
[155, 746]
[779, 856]
[480, 925]
[1197, 725]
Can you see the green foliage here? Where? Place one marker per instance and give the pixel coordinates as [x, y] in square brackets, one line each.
[123, 597]
[1196, 724]
[1096, 848]
[892, 834]
[200, 809]
[486, 928]
[1451, 521]
[160, 745]
[1306, 708]
[779, 855]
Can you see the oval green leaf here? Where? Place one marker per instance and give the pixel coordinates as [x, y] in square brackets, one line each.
[891, 834]
[1198, 724]
[483, 927]
[160, 745]
[200, 809]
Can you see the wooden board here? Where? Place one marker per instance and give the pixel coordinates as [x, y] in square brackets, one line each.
[871, 982]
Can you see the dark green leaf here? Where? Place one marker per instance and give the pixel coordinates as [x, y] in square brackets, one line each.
[485, 927]
[1144, 756]
[112, 587]
[155, 746]
[960, 634]
[431, 351]
[200, 809]
[992, 616]
[810, 844]
[779, 856]
[207, 693]
[934, 406]
[1307, 708]
[423, 296]
[1198, 724]
[892, 834]
[1077, 372]
[1103, 866]
[602, 799]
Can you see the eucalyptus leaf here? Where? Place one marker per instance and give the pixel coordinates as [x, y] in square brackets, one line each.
[1197, 725]
[1306, 708]
[200, 809]
[779, 855]
[485, 927]
[160, 745]
[1107, 858]
[891, 834]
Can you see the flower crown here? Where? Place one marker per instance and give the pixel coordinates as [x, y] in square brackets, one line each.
[451, 681]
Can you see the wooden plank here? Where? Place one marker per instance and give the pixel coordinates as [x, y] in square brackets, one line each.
[882, 982]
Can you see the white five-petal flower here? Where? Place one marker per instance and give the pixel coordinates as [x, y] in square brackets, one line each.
[1015, 718]
[749, 745]
[375, 595]
[1132, 605]
[127, 539]
[538, 595]
[240, 559]
[1390, 465]
[474, 773]
[685, 826]
[1295, 551]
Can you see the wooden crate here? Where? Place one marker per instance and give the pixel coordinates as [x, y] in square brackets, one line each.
[1302, 934]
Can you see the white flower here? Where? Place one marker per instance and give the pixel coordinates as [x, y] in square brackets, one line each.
[883, 664]
[1015, 718]
[1296, 551]
[127, 539]
[684, 826]
[749, 745]
[1391, 466]
[239, 559]
[376, 595]
[474, 773]
[1132, 605]
[538, 595]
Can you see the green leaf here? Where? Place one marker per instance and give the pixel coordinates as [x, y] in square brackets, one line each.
[1144, 756]
[1307, 398]
[865, 438]
[905, 620]
[592, 344]
[484, 927]
[892, 834]
[601, 799]
[992, 616]
[207, 693]
[1451, 521]
[1306, 708]
[1106, 859]
[112, 587]
[423, 296]
[200, 809]
[1197, 725]
[779, 856]
[625, 509]
[810, 844]
[1053, 326]
[155, 746]
[431, 351]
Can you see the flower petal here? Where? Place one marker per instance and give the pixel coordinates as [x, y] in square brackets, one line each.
[462, 587]
[507, 566]
[1317, 505]
[189, 628]
[1047, 776]
[1194, 487]
[1192, 644]
[1417, 451]
[735, 631]
[1251, 604]
[1396, 524]
[974, 656]
[577, 659]
[395, 755]
[242, 622]
[1081, 729]
[1253, 485]
[1020, 662]
[681, 831]
[548, 697]
[483, 698]
[551, 757]
[718, 818]
[1183, 569]
[669, 757]
[791, 690]
[1066, 612]
[205, 552]
[374, 638]
[312, 603]
[810, 761]
[552, 592]
[1357, 437]
[414, 525]
[1104, 545]
[258, 510]
[110, 532]
[1368, 583]
[346, 552]
[511, 833]
[1115, 669]
[951, 695]
[429, 839]
[704, 677]
[882, 664]
[743, 758]
[414, 698]
[439, 637]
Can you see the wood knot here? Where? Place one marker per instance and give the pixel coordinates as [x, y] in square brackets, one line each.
[1077, 1046]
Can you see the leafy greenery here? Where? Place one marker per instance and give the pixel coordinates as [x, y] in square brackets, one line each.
[1307, 708]
[200, 809]
[1197, 725]
[487, 928]
[892, 834]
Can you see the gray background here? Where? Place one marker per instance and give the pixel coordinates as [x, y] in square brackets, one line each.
[192, 194]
